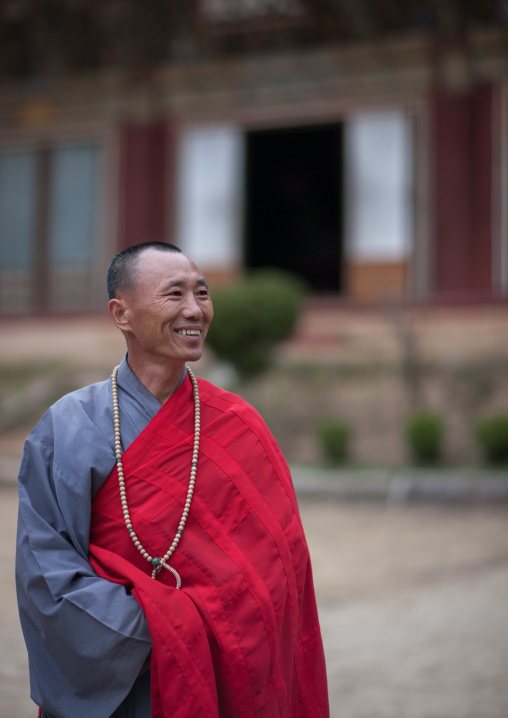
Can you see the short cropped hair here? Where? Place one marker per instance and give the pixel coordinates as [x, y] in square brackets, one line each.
[120, 275]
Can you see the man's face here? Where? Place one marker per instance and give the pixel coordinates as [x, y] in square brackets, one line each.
[169, 310]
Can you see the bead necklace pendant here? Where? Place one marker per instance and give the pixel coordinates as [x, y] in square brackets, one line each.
[162, 564]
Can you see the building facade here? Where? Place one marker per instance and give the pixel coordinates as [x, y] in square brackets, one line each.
[370, 159]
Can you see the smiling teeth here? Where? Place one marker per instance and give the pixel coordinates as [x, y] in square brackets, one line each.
[189, 332]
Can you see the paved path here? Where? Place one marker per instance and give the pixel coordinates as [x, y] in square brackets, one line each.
[413, 602]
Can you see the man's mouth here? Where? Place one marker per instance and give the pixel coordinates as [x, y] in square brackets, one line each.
[189, 332]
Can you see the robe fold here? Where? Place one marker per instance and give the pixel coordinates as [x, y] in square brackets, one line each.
[241, 637]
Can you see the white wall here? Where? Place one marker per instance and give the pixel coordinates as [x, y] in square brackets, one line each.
[210, 196]
[378, 187]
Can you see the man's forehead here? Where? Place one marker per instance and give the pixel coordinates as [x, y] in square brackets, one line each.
[169, 268]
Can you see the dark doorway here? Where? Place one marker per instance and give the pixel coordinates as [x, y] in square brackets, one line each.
[294, 202]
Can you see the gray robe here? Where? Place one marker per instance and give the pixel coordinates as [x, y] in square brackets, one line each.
[87, 638]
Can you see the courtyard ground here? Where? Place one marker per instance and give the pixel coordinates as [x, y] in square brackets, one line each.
[413, 602]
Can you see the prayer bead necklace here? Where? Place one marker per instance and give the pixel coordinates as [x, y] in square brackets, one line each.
[157, 562]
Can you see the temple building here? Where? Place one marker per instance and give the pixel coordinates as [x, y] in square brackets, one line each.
[362, 144]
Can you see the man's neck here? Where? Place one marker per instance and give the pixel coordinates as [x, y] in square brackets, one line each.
[160, 379]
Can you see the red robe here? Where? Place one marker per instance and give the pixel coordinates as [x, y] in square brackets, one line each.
[241, 637]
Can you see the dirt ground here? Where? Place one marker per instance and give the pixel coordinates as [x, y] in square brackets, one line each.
[414, 606]
[413, 602]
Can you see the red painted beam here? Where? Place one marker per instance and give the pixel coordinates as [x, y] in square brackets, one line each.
[463, 191]
[482, 166]
[146, 156]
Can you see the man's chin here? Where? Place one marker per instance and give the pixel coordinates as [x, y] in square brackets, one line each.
[194, 355]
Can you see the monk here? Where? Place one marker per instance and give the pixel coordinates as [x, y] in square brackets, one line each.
[162, 568]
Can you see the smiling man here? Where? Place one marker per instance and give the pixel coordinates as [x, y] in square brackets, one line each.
[162, 568]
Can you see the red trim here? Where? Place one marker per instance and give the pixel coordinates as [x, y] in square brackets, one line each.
[481, 163]
[462, 127]
[143, 183]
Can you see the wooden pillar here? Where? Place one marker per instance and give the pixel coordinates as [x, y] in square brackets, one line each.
[482, 166]
[41, 266]
[146, 168]
[462, 193]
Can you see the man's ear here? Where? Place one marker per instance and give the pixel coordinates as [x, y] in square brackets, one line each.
[117, 309]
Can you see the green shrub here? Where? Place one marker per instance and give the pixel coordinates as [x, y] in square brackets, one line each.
[251, 317]
[333, 436]
[492, 436]
[424, 437]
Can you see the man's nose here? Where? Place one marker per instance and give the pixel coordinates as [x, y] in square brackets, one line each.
[192, 308]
